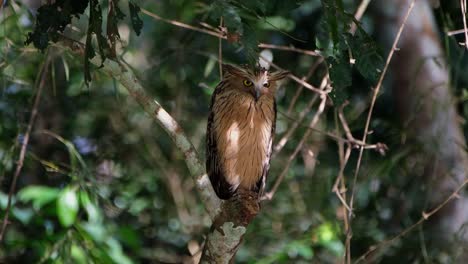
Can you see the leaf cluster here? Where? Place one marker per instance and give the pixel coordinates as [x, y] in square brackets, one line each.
[53, 18]
[344, 50]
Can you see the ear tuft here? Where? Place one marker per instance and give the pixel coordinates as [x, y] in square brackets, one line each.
[278, 75]
[231, 69]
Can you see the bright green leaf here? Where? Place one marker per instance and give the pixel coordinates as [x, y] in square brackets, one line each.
[38, 195]
[91, 209]
[67, 207]
[78, 254]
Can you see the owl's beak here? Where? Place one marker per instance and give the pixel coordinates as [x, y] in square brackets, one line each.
[257, 93]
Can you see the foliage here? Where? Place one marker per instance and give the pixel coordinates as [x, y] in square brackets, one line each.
[53, 18]
[340, 47]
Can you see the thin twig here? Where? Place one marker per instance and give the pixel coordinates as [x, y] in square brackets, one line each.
[369, 115]
[463, 10]
[380, 147]
[220, 50]
[173, 183]
[296, 79]
[282, 142]
[290, 48]
[376, 92]
[359, 13]
[183, 25]
[24, 144]
[354, 143]
[455, 32]
[315, 119]
[339, 179]
[425, 216]
[223, 35]
[301, 87]
[374, 99]
[127, 78]
[293, 101]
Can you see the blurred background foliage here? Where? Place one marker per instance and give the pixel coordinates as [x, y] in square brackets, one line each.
[102, 183]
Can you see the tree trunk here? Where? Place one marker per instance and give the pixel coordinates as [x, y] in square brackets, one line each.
[229, 227]
[421, 89]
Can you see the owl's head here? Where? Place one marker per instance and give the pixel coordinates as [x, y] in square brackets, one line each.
[257, 82]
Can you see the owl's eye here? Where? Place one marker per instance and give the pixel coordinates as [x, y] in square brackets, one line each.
[247, 83]
[267, 84]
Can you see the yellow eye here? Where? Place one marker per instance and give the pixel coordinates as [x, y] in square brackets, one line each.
[267, 84]
[247, 83]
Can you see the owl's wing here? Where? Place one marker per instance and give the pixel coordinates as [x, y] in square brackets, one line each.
[213, 163]
[266, 164]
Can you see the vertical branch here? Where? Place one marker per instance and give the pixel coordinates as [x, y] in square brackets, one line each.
[313, 122]
[24, 143]
[220, 51]
[229, 227]
[301, 87]
[463, 10]
[359, 13]
[282, 142]
[369, 116]
[126, 77]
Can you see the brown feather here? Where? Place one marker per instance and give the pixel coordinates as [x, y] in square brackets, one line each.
[240, 131]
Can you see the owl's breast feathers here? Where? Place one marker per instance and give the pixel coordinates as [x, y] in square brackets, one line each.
[239, 141]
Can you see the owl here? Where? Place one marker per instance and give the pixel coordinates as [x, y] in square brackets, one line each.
[241, 127]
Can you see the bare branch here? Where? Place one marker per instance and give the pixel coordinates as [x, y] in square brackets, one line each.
[369, 116]
[25, 141]
[220, 49]
[463, 10]
[380, 147]
[125, 76]
[183, 25]
[425, 216]
[301, 87]
[315, 119]
[455, 32]
[290, 48]
[282, 142]
[359, 13]
[296, 79]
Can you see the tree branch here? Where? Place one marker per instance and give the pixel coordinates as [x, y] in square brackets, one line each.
[42, 73]
[125, 76]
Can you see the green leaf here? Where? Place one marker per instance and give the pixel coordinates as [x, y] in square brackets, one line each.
[250, 42]
[78, 254]
[4, 200]
[340, 75]
[67, 207]
[94, 215]
[301, 248]
[116, 253]
[38, 195]
[96, 232]
[369, 62]
[137, 23]
[75, 157]
[129, 236]
[277, 23]
[23, 215]
[229, 13]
